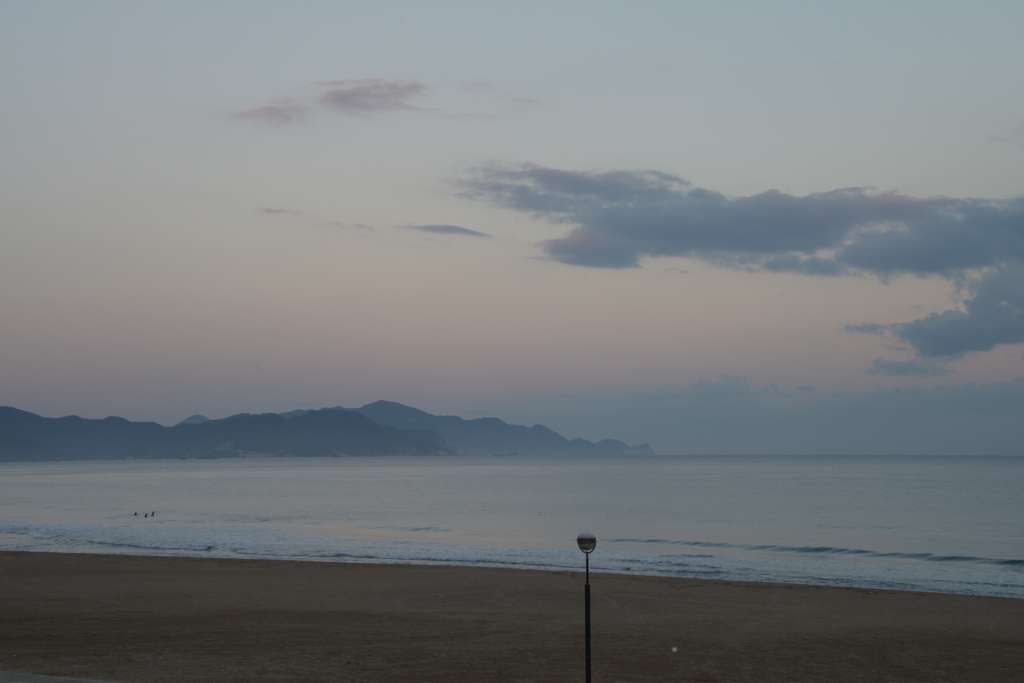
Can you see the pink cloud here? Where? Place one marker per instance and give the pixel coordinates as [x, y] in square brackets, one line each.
[369, 95]
[278, 114]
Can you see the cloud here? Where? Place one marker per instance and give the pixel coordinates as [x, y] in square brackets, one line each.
[727, 387]
[868, 328]
[372, 96]
[1014, 136]
[963, 419]
[811, 265]
[616, 219]
[906, 368]
[349, 226]
[995, 315]
[369, 95]
[278, 114]
[312, 219]
[354, 97]
[619, 217]
[447, 230]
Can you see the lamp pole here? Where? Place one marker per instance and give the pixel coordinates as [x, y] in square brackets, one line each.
[587, 542]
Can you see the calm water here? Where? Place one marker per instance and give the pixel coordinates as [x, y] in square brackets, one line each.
[922, 523]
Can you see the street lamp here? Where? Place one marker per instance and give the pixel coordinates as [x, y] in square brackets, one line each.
[587, 542]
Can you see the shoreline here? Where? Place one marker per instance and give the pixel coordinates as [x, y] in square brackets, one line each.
[139, 618]
[967, 576]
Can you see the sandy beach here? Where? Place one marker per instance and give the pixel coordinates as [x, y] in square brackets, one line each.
[140, 619]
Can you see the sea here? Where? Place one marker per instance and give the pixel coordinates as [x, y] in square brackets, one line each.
[937, 524]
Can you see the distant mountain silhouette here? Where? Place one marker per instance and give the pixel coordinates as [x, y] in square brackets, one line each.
[26, 436]
[489, 435]
[381, 428]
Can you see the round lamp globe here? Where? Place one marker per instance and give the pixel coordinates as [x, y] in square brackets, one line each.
[587, 542]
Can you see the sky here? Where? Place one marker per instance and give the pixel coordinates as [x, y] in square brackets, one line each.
[711, 227]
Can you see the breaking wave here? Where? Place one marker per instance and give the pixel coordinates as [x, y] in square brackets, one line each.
[809, 564]
[825, 551]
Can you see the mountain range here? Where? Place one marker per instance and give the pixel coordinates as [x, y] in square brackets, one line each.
[380, 428]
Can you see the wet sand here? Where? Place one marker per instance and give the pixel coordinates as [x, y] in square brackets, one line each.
[140, 619]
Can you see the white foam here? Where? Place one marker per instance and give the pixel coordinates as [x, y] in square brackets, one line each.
[269, 542]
